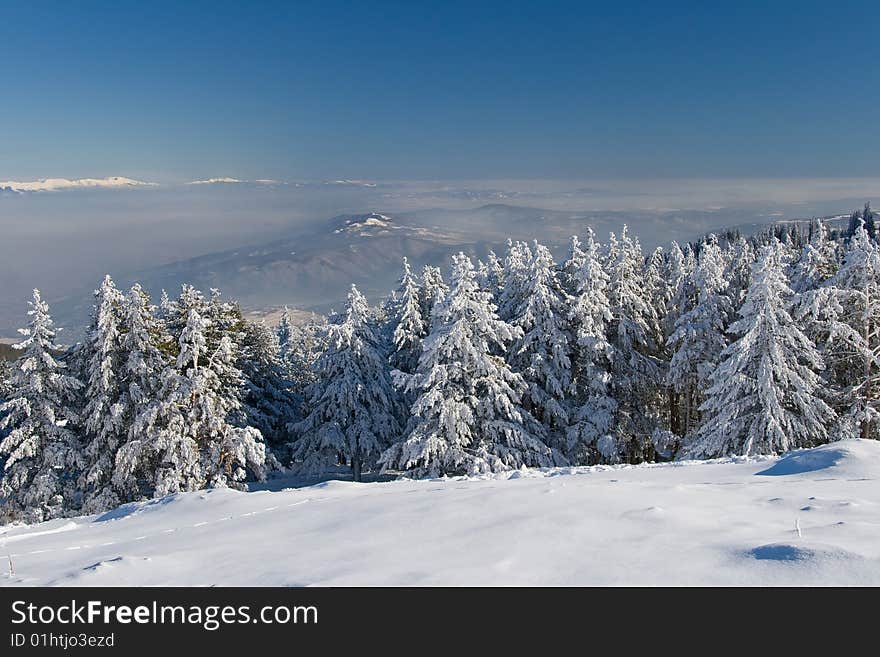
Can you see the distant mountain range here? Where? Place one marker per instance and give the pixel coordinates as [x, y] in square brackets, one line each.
[314, 271]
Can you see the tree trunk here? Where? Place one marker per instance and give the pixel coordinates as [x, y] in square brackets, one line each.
[674, 413]
[687, 411]
[356, 468]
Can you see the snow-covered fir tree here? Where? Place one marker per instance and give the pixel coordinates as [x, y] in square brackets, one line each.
[516, 274]
[5, 383]
[740, 257]
[307, 342]
[679, 280]
[764, 397]
[143, 363]
[352, 408]
[490, 275]
[42, 452]
[863, 219]
[468, 416]
[588, 438]
[635, 369]
[541, 354]
[817, 262]
[284, 333]
[187, 432]
[213, 386]
[844, 315]
[571, 268]
[658, 292]
[432, 292]
[409, 325]
[699, 336]
[269, 402]
[102, 419]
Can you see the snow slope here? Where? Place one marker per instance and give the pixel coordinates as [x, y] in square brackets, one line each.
[810, 518]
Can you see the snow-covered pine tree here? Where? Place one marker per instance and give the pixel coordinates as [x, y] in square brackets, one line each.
[352, 414]
[738, 271]
[764, 397]
[588, 438]
[187, 438]
[817, 262]
[175, 313]
[679, 279]
[635, 369]
[5, 383]
[42, 451]
[657, 290]
[102, 419]
[409, 325]
[161, 456]
[433, 291]
[213, 386]
[143, 365]
[658, 293]
[865, 219]
[491, 275]
[680, 268]
[307, 342]
[166, 306]
[269, 402]
[515, 274]
[868, 219]
[284, 333]
[699, 336]
[467, 417]
[222, 319]
[844, 315]
[571, 269]
[542, 353]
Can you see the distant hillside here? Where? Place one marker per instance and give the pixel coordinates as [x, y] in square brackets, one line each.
[7, 352]
[313, 271]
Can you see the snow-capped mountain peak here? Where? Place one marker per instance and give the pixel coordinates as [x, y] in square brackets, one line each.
[359, 223]
[55, 184]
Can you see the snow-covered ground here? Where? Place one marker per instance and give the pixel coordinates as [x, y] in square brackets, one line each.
[810, 518]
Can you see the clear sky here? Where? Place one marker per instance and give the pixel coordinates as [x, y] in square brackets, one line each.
[415, 90]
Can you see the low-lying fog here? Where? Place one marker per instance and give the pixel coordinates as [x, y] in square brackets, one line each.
[64, 241]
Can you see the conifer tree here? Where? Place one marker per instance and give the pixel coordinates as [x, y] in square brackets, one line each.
[269, 401]
[187, 437]
[699, 336]
[571, 268]
[409, 325]
[542, 354]
[844, 315]
[636, 372]
[588, 438]
[764, 397]
[352, 405]
[515, 273]
[143, 366]
[468, 416]
[491, 275]
[740, 257]
[433, 291]
[103, 418]
[41, 450]
[817, 262]
[284, 333]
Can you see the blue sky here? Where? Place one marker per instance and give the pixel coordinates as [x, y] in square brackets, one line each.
[451, 90]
